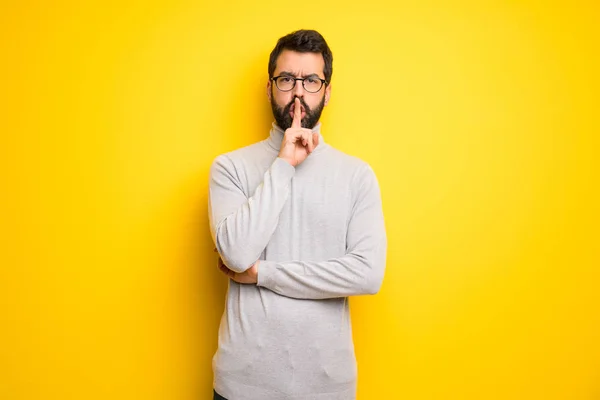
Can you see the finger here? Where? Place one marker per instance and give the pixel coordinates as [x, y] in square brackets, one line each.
[311, 145]
[224, 269]
[227, 271]
[315, 139]
[308, 140]
[297, 122]
[305, 140]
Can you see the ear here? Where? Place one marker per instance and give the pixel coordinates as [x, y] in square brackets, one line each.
[327, 93]
[269, 89]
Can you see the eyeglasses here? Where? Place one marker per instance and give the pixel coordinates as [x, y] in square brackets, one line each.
[311, 84]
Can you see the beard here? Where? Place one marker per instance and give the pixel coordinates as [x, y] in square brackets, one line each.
[284, 120]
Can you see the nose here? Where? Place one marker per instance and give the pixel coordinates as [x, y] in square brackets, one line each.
[299, 89]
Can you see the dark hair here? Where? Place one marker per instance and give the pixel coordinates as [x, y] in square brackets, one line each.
[303, 41]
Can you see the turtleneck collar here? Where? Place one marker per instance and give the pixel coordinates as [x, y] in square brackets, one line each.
[276, 137]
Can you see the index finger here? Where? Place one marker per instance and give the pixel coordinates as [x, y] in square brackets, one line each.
[296, 123]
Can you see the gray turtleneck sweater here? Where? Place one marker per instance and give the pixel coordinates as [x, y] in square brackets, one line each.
[319, 233]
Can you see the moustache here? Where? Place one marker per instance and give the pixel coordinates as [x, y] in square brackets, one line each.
[306, 107]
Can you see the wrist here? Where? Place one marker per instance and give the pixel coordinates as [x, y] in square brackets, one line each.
[287, 160]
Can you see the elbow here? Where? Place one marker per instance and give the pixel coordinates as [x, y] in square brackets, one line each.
[237, 267]
[376, 269]
[374, 279]
[373, 285]
[369, 275]
[235, 258]
[235, 261]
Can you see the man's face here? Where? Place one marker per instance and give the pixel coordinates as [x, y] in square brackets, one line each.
[298, 65]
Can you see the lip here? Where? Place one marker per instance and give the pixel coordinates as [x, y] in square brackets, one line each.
[293, 108]
[302, 114]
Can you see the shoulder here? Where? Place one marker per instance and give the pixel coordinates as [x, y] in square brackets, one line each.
[238, 158]
[358, 169]
[252, 151]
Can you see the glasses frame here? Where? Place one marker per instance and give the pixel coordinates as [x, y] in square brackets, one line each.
[323, 82]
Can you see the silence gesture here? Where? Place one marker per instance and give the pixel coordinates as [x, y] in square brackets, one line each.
[298, 142]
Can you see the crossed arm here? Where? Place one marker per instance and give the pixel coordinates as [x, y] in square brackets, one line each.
[242, 227]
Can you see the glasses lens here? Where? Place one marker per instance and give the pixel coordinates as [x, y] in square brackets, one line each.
[285, 83]
[312, 84]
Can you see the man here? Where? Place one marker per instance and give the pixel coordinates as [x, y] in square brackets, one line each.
[299, 227]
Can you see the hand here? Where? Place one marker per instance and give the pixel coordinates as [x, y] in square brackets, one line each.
[298, 142]
[249, 276]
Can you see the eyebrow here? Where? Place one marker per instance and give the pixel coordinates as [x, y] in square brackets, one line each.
[287, 73]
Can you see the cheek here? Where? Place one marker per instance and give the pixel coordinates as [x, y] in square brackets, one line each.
[282, 99]
[314, 101]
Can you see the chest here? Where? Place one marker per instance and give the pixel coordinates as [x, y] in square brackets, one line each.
[314, 220]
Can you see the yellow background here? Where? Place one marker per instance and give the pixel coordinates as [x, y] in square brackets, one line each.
[479, 118]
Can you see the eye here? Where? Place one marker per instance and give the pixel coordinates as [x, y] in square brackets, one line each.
[313, 80]
[285, 79]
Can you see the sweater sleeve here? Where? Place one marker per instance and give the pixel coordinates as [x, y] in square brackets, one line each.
[359, 271]
[240, 226]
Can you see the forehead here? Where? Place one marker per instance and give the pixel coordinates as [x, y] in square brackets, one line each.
[300, 63]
